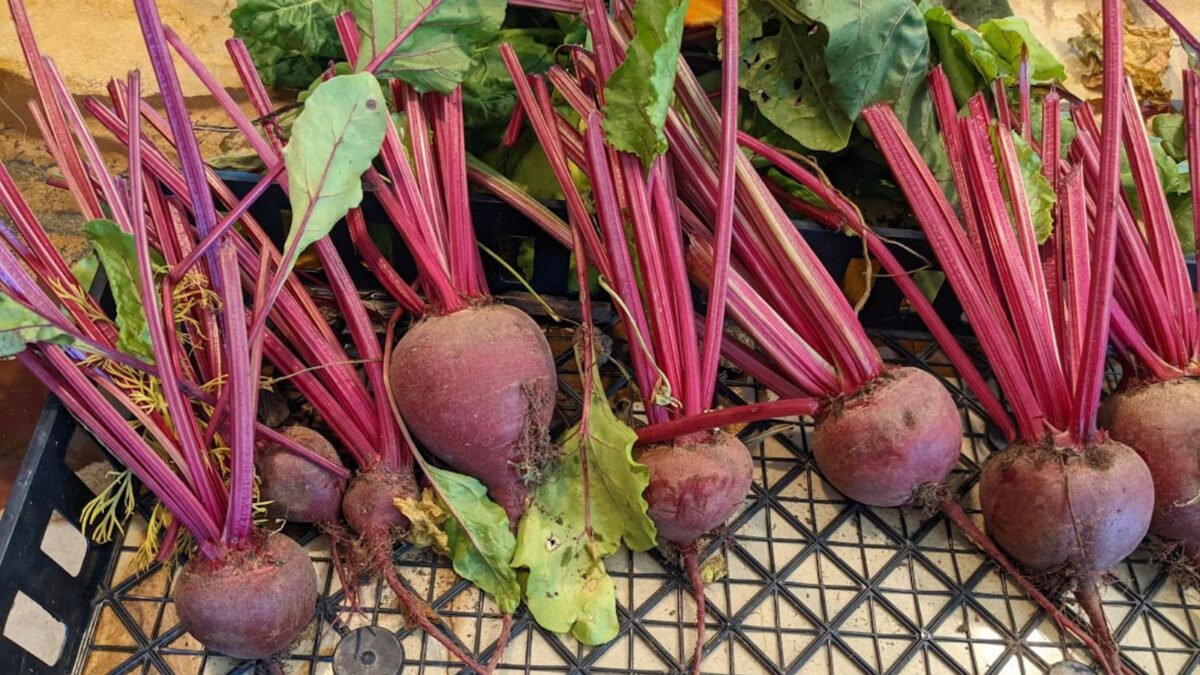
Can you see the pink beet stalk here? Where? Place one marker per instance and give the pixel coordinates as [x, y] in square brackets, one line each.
[723, 231]
[1095, 341]
[1059, 460]
[1191, 105]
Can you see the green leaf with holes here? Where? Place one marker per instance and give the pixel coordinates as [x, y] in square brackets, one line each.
[876, 50]
[568, 589]
[783, 69]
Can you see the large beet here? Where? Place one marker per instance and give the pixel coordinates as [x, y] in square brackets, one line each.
[1161, 421]
[476, 387]
[298, 490]
[900, 432]
[696, 483]
[1057, 509]
[252, 603]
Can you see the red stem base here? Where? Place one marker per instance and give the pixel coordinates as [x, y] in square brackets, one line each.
[501, 642]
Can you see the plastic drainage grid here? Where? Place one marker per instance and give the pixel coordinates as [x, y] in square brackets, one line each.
[815, 584]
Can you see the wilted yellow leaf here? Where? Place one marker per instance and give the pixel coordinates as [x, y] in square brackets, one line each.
[427, 517]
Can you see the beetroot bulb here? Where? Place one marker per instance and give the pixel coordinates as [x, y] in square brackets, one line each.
[251, 603]
[898, 433]
[298, 490]
[697, 482]
[477, 387]
[1159, 420]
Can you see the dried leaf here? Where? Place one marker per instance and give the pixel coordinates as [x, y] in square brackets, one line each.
[714, 569]
[427, 518]
[1147, 58]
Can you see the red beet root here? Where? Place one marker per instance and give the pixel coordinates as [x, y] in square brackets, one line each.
[901, 432]
[696, 484]
[1057, 509]
[252, 603]
[370, 502]
[1160, 422]
[300, 491]
[370, 510]
[476, 388]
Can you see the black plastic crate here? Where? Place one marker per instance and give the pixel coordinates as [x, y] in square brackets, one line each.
[500, 227]
[789, 497]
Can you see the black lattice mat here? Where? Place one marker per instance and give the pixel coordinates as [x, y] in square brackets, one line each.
[813, 584]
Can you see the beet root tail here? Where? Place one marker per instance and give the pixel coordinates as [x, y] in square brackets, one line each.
[692, 565]
[420, 612]
[1088, 595]
[501, 642]
[953, 510]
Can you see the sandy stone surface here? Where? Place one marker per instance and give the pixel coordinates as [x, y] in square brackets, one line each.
[94, 40]
[91, 42]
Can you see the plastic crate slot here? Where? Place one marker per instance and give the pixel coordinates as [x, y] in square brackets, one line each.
[64, 543]
[35, 630]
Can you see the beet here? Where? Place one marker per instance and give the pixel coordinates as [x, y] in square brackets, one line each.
[1161, 421]
[370, 502]
[476, 387]
[902, 431]
[300, 491]
[1056, 509]
[696, 483]
[252, 603]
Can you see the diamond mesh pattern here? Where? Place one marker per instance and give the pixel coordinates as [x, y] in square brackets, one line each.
[815, 584]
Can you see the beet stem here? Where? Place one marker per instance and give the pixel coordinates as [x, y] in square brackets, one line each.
[691, 563]
[501, 642]
[1089, 599]
[751, 412]
[723, 230]
[954, 511]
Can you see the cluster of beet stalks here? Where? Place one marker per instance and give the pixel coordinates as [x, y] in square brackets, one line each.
[1042, 313]
[225, 301]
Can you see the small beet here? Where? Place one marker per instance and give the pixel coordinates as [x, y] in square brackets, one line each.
[252, 603]
[1161, 421]
[902, 431]
[476, 387]
[1058, 509]
[298, 490]
[696, 483]
[370, 502]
